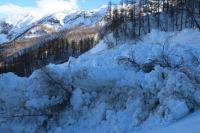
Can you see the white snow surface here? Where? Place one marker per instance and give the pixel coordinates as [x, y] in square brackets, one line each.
[149, 86]
[190, 124]
[3, 38]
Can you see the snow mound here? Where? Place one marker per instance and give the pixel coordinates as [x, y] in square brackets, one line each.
[128, 88]
[3, 38]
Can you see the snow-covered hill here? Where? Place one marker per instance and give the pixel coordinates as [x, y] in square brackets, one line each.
[133, 87]
[52, 23]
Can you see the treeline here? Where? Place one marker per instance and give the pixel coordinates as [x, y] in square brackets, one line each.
[57, 50]
[132, 19]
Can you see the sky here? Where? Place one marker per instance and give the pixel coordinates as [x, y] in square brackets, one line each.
[42, 7]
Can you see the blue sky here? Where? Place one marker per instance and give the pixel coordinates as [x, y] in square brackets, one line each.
[42, 7]
[83, 4]
[91, 4]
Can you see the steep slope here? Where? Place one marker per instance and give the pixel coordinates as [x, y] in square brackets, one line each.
[134, 87]
[17, 24]
[53, 23]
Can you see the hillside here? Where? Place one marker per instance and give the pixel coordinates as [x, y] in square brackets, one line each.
[132, 67]
[135, 86]
[56, 37]
[51, 39]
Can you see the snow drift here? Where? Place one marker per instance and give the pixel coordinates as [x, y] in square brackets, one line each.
[126, 88]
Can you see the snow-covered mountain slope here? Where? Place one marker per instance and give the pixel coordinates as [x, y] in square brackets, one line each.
[145, 86]
[70, 20]
[17, 24]
[54, 22]
[5, 28]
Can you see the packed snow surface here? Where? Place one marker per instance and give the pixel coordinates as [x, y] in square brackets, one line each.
[190, 124]
[3, 38]
[148, 86]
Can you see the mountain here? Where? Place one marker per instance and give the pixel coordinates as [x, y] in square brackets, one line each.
[51, 23]
[53, 38]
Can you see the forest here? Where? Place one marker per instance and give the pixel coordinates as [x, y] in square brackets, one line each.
[56, 48]
[133, 19]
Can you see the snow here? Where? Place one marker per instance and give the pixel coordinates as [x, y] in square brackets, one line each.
[98, 48]
[57, 21]
[3, 38]
[148, 86]
[21, 20]
[86, 18]
[40, 102]
[189, 124]
[179, 109]
[76, 100]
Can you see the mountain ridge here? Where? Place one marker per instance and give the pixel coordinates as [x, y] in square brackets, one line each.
[56, 21]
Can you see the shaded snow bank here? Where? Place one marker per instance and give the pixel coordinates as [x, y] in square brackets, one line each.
[3, 38]
[189, 124]
[121, 89]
